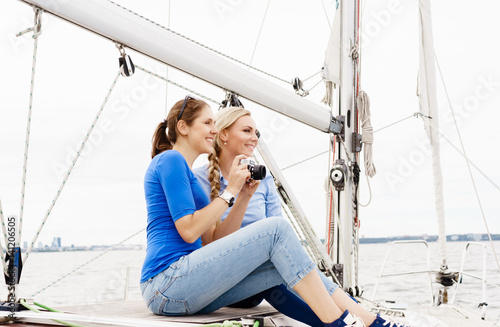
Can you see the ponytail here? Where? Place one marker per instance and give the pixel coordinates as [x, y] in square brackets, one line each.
[165, 134]
[160, 139]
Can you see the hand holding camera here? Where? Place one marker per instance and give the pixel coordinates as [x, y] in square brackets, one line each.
[257, 172]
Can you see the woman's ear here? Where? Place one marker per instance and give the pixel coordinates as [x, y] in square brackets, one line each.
[223, 135]
[182, 127]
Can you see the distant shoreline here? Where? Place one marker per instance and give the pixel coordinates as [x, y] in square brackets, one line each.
[362, 240]
[432, 238]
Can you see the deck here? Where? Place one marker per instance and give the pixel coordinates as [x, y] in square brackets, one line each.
[135, 313]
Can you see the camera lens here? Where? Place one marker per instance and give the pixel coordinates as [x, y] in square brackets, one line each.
[257, 172]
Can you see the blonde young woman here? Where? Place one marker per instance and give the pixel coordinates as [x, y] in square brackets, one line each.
[238, 135]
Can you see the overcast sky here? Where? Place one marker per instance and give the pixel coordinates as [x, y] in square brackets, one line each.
[103, 201]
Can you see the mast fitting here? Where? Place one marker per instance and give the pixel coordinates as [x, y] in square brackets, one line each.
[338, 174]
[298, 86]
[125, 62]
[337, 125]
[354, 54]
[231, 100]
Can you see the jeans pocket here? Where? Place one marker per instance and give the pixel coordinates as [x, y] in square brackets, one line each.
[177, 264]
[162, 305]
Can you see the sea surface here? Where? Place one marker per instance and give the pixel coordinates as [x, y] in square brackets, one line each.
[50, 278]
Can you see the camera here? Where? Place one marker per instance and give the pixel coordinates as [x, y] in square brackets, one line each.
[257, 172]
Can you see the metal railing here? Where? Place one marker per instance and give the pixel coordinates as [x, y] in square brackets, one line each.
[483, 279]
[413, 272]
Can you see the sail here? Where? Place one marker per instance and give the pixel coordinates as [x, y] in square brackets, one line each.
[331, 67]
[429, 108]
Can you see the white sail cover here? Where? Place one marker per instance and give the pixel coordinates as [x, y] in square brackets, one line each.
[144, 36]
[428, 107]
[331, 68]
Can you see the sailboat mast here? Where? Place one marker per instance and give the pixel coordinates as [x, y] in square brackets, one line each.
[343, 227]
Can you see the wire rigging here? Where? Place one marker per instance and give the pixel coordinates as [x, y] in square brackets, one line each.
[178, 85]
[87, 262]
[2, 257]
[472, 163]
[166, 73]
[201, 44]
[260, 31]
[70, 169]
[468, 164]
[326, 15]
[37, 30]
[417, 114]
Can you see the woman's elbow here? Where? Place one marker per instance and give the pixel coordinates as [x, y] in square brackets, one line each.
[184, 229]
[188, 236]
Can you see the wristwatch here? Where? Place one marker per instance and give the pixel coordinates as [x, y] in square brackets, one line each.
[228, 197]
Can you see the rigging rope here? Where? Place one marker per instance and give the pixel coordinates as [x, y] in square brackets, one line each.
[91, 319]
[300, 224]
[166, 73]
[37, 26]
[25, 304]
[178, 85]
[200, 44]
[363, 103]
[310, 89]
[418, 115]
[326, 15]
[465, 157]
[317, 73]
[5, 270]
[86, 263]
[84, 142]
[302, 161]
[260, 30]
[468, 163]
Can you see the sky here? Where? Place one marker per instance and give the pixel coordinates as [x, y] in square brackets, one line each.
[103, 200]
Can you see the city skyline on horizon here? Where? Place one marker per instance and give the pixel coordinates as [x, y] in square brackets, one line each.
[57, 243]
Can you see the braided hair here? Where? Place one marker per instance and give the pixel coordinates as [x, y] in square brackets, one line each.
[224, 119]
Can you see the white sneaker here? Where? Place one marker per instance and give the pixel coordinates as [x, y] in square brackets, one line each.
[347, 319]
[353, 321]
[386, 322]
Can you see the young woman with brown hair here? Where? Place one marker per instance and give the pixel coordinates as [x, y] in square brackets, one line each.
[179, 275]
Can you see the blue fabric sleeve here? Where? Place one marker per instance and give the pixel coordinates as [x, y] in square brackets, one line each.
[202, 174]
[273, 201]
[174, 177]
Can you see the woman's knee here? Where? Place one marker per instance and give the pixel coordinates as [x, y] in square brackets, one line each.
[279, 224]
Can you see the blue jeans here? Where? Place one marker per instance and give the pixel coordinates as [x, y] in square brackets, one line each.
[285, 301]
[262, 255]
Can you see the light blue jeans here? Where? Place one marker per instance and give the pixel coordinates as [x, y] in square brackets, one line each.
[253, 259]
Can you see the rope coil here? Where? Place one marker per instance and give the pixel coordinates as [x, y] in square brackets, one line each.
[363, 102]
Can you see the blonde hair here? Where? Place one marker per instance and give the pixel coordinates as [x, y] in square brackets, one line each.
[224, 119]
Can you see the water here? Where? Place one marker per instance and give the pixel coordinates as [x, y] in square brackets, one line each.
[115, 276]
[414, 289]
